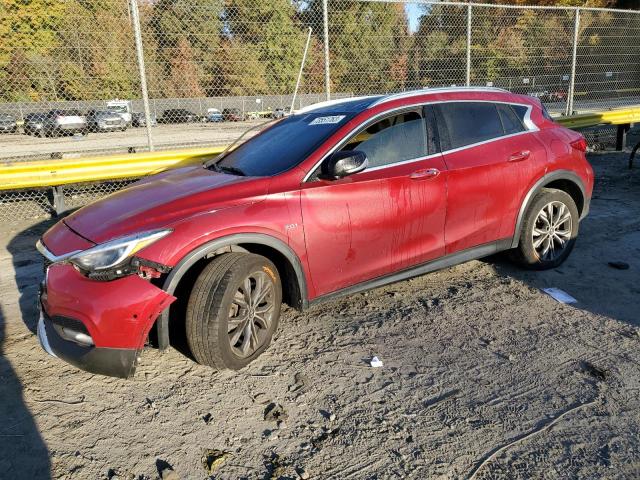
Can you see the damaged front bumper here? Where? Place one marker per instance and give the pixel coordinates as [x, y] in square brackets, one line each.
[98, 326]
[113, 362]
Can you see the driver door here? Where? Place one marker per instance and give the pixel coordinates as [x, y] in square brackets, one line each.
[386, 218]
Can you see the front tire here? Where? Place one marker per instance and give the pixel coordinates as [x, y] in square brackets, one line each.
[549, 230]
[233, 310]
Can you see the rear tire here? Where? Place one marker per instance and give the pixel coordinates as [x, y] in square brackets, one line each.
[233, 310]
[549, 230]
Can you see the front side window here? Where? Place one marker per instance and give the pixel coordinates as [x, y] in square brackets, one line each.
[283, 145]
[468, 122]
[393, 139]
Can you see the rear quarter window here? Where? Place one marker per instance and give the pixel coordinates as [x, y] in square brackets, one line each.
[510, 119]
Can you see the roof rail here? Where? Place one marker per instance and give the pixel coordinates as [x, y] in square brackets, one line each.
[425, 91]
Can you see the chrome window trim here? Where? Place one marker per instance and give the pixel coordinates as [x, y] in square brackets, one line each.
[528, 123]
[403, 162]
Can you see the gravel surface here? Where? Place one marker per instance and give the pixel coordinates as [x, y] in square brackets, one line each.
[483, 376]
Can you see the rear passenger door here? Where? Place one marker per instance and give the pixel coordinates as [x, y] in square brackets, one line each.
[490, 154]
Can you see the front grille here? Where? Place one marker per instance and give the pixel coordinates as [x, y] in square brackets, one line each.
[69, 323]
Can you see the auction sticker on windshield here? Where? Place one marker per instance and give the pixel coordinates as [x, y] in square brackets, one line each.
[325, 120]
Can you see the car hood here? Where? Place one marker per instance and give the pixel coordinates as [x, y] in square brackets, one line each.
[161, 200]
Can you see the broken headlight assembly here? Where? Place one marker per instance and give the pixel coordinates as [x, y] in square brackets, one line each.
[116, 258]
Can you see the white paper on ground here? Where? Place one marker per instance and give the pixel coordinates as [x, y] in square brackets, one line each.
[559, 295]
[376, 362]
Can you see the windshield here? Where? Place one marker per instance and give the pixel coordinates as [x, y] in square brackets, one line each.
[117, 108]
[283, 145]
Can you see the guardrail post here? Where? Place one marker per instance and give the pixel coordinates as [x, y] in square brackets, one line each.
[572, 80]
[135, 16]
[468, 78]
[327, 75]
[621, 136]
[59, 205]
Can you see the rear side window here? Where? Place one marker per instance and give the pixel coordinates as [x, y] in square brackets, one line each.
[510, 120]
[468, 122]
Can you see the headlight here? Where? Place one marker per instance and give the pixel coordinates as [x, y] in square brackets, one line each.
[110, 254]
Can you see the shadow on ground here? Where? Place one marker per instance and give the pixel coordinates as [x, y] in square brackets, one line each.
[23, 453]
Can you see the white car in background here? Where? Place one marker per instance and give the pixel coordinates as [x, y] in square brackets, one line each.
[122, 108]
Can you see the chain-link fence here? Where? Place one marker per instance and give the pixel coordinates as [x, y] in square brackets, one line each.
[82, 77]
[71, 75]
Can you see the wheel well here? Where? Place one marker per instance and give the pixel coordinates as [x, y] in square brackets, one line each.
[291, 294]
[571, 188]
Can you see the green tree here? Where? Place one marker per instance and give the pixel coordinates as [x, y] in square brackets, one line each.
[273, 31]
[184, 36]
[96, 58]
[368, 43]
[28, 36]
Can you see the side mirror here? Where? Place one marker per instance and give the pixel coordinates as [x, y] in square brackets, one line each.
[344, 163]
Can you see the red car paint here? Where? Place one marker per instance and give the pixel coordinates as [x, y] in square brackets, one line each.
[342, 232]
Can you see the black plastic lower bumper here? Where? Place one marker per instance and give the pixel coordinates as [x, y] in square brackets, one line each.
[113, 362]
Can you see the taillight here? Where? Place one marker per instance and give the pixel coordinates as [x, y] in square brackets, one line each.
[580, 144]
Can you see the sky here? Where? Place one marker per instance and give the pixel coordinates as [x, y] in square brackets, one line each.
[413, 11]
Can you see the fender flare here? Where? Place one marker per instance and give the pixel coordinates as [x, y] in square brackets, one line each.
[539, 185]
[177, 272]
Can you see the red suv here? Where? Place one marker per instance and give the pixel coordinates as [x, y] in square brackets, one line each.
[340, 197]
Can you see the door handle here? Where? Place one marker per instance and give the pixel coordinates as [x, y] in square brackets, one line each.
[519, 156]
[424, 174]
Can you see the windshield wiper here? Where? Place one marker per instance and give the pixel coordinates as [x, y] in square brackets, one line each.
[216, 159]
[226, 169]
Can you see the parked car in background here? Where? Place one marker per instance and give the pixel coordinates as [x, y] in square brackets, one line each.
[8, 123]
[63, 122]
[214, 115]
[341, 197]
[122, 108]
[105, 121]
[178, 115]
[33, 123]
[139, 120]
[232, 115]
[281, 112]
[557, 96]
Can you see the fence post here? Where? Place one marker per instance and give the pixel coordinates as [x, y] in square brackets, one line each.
[468, 82]
[327, 75]
[572, 80]
[304, 59]
[135, 15]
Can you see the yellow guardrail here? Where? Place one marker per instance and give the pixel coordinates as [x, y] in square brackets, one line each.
[621, 116]
[51, 173]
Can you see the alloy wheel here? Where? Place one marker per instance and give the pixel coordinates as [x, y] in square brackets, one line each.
[251, 314]
[552, 231]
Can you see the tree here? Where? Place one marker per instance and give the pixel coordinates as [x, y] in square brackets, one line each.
[97, 60]
[28, 36]
[185, 34]
[274, 32]
[368, 44]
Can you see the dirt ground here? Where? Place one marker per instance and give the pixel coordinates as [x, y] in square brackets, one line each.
[484, 376]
